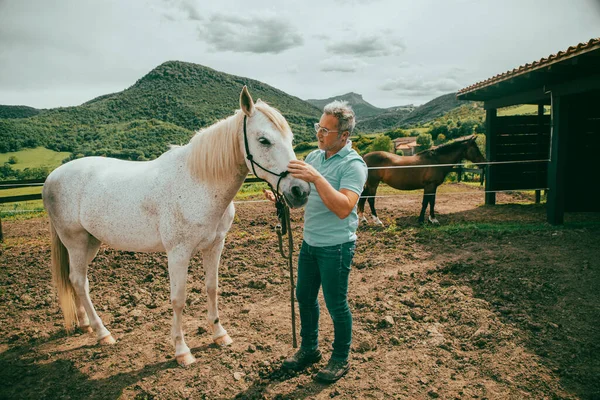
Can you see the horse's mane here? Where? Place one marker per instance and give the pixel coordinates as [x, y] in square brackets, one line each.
[446, 148]
[216, 153]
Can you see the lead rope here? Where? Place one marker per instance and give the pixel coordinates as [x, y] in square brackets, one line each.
[283, 213]
[284, 226]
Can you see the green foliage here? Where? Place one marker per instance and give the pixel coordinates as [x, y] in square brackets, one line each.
[440, 139]
[424, 141]
[396, 133]
[17, 112]
[399, 152]
[361, 145]
[8, 173]
[13, 160]
[467, 127]
[381, 143]
[164, 107]
[414, 132]
[304, 146]
[438, 129]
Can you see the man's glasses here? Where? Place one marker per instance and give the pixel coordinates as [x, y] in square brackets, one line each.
[322, 131]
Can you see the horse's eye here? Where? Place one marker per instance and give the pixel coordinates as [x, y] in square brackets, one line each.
[264, 141]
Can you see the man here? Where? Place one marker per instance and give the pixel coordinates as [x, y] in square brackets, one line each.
[337, 175]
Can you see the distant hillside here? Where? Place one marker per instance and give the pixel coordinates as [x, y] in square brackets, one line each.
[383, 122]
[361, 108]
[17, 112]
[409, 116]
[164, 107]
[433, 109]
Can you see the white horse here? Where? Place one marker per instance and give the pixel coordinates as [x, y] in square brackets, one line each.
[179, 203]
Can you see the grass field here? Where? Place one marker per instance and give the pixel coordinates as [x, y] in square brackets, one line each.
[32, 158]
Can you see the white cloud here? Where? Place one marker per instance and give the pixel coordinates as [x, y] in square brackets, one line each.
[421, 87]
[340, 64]
[259, 33]
[369, 45]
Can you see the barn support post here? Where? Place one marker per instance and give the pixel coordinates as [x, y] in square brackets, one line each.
[490, 153]
[555, 201]
[538, 169]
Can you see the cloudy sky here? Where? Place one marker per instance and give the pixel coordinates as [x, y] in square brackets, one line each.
[393, 52]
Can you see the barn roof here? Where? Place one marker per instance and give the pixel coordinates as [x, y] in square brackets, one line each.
[574, 62]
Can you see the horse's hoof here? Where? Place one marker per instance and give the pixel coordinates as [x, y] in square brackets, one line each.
[86, 329]
[107, 340]
[223, 341]
[185, 360]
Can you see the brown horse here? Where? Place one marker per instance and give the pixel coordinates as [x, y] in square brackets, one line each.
[413, 177]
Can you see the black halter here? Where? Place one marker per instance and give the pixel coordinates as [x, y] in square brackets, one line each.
[253, 163]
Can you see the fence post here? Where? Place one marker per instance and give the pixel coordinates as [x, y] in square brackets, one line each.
[1, 235]
[460, 171]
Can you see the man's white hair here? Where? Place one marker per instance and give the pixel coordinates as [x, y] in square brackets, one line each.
[343, 112]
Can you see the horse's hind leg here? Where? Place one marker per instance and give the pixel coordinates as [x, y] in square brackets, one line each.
[361, 205]
[372, 187]
[82, 249]
[179, 259]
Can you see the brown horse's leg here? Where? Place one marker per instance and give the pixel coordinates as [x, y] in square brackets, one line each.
[361, 203]
[423, 208]
[373, 185]
[432, 218]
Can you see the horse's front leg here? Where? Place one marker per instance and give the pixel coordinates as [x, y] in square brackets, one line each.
[179, 259]
[423, 208]
[211, 258]
[432, 218]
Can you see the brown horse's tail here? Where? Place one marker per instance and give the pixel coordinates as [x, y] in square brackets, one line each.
[60, 278]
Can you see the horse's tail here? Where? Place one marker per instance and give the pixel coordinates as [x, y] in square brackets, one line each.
[60, 278]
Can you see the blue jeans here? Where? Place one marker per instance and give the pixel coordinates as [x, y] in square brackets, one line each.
[328, 266]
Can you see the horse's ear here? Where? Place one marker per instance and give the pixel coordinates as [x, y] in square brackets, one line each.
[246, 103]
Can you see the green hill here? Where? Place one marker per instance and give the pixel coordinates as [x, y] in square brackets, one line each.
[164, 107]
[17, 112]
[383, 122]
[361, 108]
[409, 116]
[432, 109]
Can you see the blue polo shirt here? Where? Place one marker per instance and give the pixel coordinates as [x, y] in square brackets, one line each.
[344, 170]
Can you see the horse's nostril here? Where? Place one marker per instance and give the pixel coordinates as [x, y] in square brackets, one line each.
[298, 192]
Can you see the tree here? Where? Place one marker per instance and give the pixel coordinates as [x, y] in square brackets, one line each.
[396, 133]
[438, 130]
[441, 138]
[424, 141]
[466, 128]
[13, 160]
[381, 143]
[399, 152]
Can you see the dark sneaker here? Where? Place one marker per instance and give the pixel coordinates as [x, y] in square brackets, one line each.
[334, 370]
[302, 359]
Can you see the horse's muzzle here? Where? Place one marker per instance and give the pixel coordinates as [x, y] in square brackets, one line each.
[297, 196]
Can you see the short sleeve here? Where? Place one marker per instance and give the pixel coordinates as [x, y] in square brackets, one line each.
[354, 176]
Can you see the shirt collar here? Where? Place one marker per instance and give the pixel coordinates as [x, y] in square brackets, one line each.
[344, 151]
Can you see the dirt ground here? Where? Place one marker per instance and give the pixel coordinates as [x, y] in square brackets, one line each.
[492, 304]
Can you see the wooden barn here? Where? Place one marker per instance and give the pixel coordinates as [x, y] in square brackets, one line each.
[559, 149]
